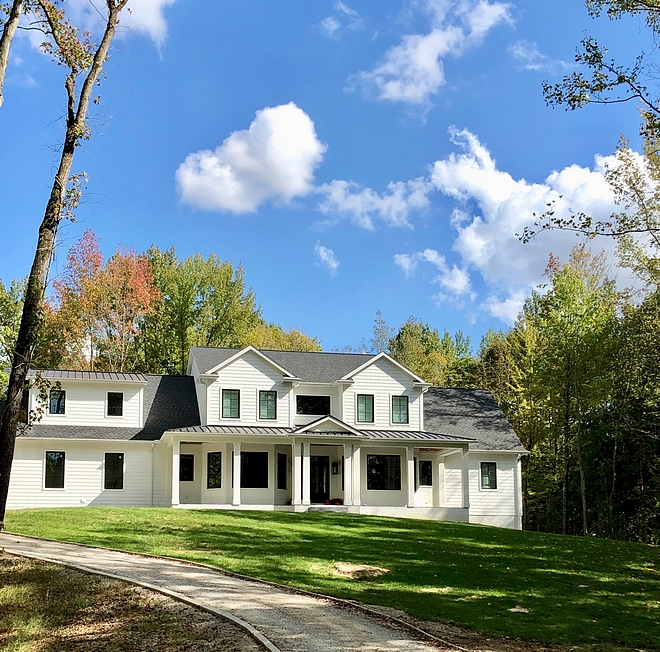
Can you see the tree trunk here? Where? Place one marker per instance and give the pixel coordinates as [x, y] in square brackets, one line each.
[566, 433]
[8, 32]
[38, 279]
[583, 484]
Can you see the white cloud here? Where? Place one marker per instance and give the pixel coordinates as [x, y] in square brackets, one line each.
[413, 71]
[506, 310]
[146, 16]
[362, 206]
[529, 57]
[345, 18]
[326, 258]
[454, 280]
[273, 160]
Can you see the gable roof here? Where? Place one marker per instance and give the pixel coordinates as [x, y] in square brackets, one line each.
[470, 413]
[383, 356]
[168, 402]
[309, 366]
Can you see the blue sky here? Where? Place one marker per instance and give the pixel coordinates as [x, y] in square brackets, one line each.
[353, 156]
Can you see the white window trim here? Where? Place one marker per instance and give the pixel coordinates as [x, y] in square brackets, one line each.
[123, 471]
[194, 467]
[402, 467]
[391, 408]
[53, 414]
[230, 389]
[107, 405]
[205, 470]
[43, 479]
[419, 473]
[277, 401]
[497, 475]
[373, 408]
[312, 415]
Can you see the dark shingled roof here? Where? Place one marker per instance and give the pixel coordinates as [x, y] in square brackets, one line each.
[64, 374]
[311, 367]
[469, 413]
[169, 402]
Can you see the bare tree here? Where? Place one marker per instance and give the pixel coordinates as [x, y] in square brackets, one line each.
[8, 32]
[84, 62]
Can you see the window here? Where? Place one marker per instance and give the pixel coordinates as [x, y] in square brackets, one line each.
[54, 476]
[315, 405]
[425, 473]
[399, 409]
[267, 405]
[365, 408]
[231, 403]
[281, 470]
[114, 471]
[384, 472]
[57, 401]
[186, 467]
[488, 475]
[214, 470]
[115, 404]
[254, 470]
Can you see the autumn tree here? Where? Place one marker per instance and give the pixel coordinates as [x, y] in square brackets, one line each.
[82, 60]
[275, 338]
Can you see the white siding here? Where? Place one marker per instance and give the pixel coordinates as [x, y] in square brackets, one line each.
[494, 506]
[85, 405]
[249, 374]
[162, 481]
[453, 483]
[384, 380]
[83, 474]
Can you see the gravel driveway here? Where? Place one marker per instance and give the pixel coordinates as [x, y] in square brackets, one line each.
[290, 621]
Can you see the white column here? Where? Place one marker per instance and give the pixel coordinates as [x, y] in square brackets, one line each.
[236, 498]
[296, 475]
[357, 476]
[410, 459]
[306, 475]
[175, 472]
[518, 498]
[465, 476]
[347, 477]
[437, 478]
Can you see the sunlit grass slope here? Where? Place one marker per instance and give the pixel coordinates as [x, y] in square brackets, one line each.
[568, 590]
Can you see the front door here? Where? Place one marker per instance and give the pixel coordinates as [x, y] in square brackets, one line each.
[319, 490]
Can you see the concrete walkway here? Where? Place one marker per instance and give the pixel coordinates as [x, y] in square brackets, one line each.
[289, 621]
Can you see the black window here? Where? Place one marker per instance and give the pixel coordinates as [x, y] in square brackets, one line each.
[186, 467]
[231, 403]
[488, 475]
[384, 472]
[115, 404]
[114, 471]
[267, 405]
[399, 409]
[365, 408]
[57, 401]
[281, 470]
[254, 470]
[425, 473]
[54, 470]
[315, 405]
[214, 470]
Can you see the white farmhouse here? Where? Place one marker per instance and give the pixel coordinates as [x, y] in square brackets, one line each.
[277, 430]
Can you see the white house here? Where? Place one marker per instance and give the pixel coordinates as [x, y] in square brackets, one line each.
[250, 429]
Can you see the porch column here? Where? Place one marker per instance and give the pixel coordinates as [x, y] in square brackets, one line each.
[410, 459]
[465, 476]
[306, 475]
[236, 498]
[175, 472]
[296, 475]
[357, 479]
[347, 477]
[518, 490]
[437, 479]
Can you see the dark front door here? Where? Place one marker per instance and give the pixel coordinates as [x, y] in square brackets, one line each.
[319, 490]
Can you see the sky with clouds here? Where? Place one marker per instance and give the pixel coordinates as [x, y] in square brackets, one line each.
[353, 156]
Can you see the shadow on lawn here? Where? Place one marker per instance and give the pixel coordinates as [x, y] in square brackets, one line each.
[573, 590]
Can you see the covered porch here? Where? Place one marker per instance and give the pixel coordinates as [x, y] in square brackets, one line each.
[357, 472]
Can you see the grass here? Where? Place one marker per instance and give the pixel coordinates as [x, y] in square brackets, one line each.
[47, 608]
[575, 591]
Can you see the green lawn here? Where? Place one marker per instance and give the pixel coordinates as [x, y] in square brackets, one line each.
[577, 591]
